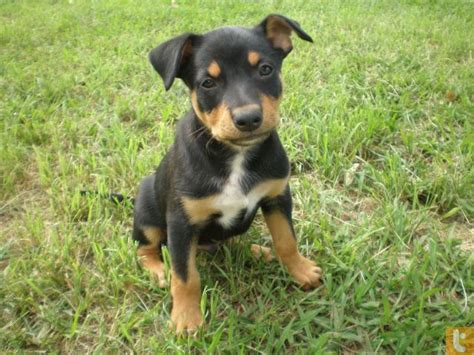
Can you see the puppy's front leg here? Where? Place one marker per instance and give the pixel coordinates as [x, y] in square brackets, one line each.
[185, 280]
[277, 213]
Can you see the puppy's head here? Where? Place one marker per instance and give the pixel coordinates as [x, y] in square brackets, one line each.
[233, 74]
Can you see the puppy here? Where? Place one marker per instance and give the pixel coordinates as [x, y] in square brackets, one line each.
[227, 160]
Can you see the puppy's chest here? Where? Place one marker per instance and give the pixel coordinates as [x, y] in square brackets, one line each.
[232, 202]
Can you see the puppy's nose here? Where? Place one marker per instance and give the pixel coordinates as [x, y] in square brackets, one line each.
[248, 121]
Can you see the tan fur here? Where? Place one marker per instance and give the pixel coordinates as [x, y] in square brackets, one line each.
[186, 312]
[253, 58]
[199, 210]
[219, 120]
[271, 117]
[223, 125]
[154, 235]
[278, 32]
[305, 271]
[214, 69]
[271, 188]
[259, 252]
[150, 257]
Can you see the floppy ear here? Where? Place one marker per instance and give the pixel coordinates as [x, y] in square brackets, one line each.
[278, 29]
[169, 58]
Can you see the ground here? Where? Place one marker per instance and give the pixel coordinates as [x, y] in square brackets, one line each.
[377, 119]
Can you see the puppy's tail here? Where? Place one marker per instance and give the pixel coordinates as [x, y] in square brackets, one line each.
[114, 197]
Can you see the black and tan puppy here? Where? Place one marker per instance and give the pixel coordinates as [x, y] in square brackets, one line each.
[227, 160]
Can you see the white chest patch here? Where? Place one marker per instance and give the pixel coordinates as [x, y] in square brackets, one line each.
[232, 200]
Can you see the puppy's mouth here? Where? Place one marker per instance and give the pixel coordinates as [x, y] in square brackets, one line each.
[250, 140]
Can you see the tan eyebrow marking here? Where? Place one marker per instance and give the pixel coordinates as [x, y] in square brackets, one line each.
[214, 69]
[253, 58]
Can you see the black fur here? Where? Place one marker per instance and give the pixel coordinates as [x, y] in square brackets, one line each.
[114, 197]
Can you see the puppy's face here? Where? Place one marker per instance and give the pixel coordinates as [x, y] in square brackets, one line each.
[236, 86]
[234, 76]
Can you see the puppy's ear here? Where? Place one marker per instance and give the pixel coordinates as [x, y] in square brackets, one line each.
[278, 29]
[169, 58]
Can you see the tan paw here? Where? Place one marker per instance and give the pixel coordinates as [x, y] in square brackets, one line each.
[158, 273]
[152, 261]
[187, 320]
[305, 272]
[259, 251]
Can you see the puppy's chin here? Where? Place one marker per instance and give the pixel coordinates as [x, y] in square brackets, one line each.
[246, 142]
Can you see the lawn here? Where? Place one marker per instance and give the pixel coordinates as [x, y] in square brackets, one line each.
[377, 119]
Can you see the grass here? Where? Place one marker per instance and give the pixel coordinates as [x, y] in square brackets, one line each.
[377, 121]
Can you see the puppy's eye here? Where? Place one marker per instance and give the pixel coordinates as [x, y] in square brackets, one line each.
[265, 70]
[208, 83]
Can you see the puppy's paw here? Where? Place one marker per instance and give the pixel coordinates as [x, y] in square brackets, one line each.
[152, 261]
[305, 272]
[158, 273]
[259, 251]
[186, 320]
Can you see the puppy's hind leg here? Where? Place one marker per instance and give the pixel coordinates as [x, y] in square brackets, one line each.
[149, 252]
[149, 230]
